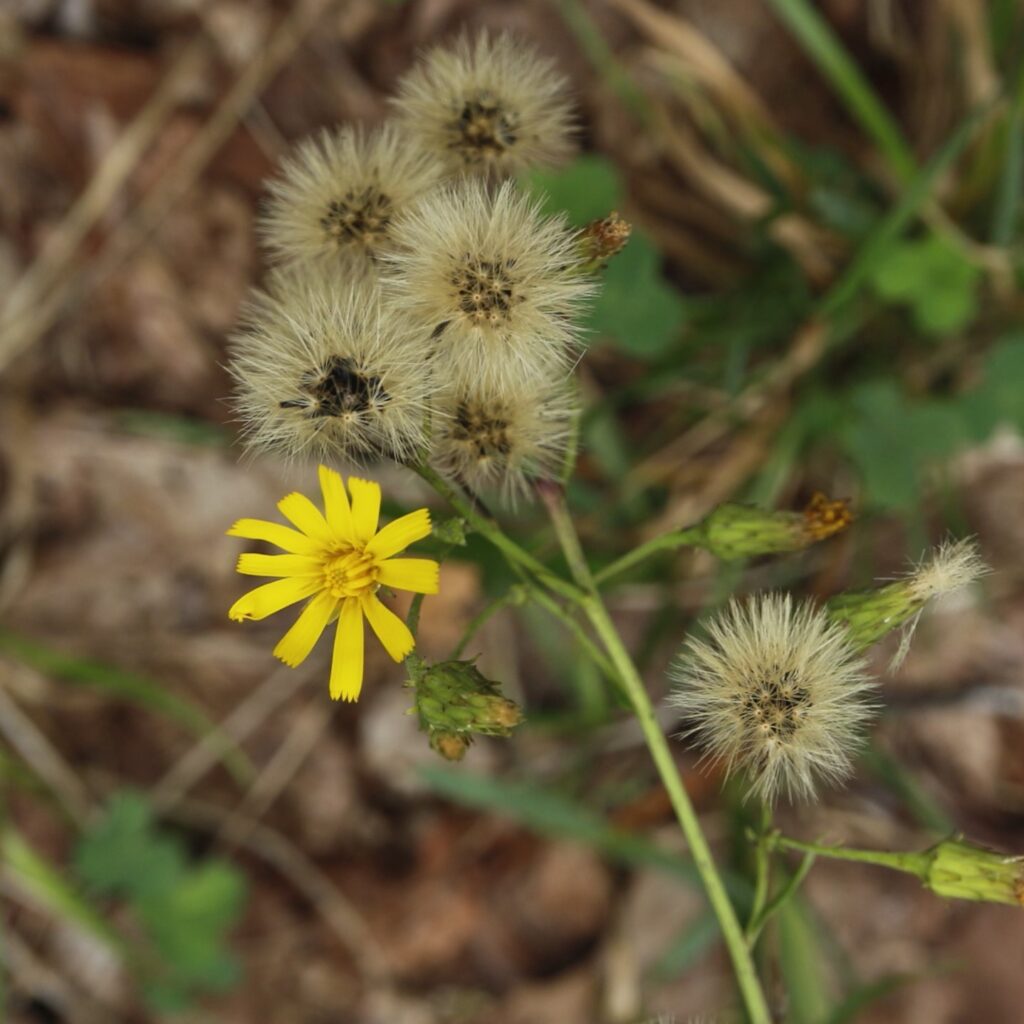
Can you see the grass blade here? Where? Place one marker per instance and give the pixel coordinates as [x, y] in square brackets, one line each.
[823, 47]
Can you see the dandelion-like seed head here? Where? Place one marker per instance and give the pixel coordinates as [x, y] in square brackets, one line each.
[323, 369]
[496, 283]
[490, 436]
[338, 195]
[954, 565]
[777, 691]
[492, 104]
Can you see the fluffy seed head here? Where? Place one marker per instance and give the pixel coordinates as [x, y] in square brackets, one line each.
[323, 369]
[490, 436]
[954, 565]
[339, 193]
[775, 690]
[496, 283]
[490, 105]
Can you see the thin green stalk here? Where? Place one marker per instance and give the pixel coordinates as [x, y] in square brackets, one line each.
[666, 542]
[1006, 212]
[514, 596]
[781, 898]
[762, 876]
[593, 607]
[595, 654]
[493, 533]
[910, 863]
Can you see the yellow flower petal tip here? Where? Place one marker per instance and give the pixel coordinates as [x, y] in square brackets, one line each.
[337, 559]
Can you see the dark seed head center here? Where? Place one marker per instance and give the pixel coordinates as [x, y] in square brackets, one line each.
[776, 704]
[359, 216]
[485, 290]
[484, 128]
[484, 430]
[340, 390]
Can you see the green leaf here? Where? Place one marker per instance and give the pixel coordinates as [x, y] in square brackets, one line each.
[635, 305]
[185, 908]
[997, 399]
[875, 438]
[931, 277]
[799, 948]
[589, 188]
[49, 889]
[121, 856]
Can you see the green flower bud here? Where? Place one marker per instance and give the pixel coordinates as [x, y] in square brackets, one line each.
[451, 531]
[454, 702]
[742, 531]
[961, 871]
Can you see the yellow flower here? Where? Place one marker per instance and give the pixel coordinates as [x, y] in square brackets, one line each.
[339, 560]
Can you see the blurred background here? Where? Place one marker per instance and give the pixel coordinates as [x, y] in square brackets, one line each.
[821, 293]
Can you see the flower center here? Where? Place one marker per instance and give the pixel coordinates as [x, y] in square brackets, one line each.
[360, 215]
[485, 290]
[484, 129]
[339, 390]
[350, 574]
[484, 431]
[776, 705]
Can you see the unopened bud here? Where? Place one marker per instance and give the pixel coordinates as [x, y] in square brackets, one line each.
[602, 239]
[451, 531]
[743, 531]
[454, 702]
[961, 871]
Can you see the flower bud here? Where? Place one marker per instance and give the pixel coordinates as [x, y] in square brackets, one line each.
[451, 531]
[602, 239]
[962, 871]
[743, 531]
[454, 702]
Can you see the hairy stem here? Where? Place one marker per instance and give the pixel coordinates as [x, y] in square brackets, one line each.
[553, 497]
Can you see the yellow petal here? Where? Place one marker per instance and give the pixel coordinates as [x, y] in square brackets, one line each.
[274, 533]
[420, 575]
[306, 516]
[253, 564]
[336, 507]
[365, 507]
[392, 632]
[294, 647]
[400, 534]
[347, 662]
[272, 597]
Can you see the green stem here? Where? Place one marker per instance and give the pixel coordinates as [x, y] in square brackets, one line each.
[513, 596]
[595, 654]
[592, 605]
[780, 899]
[762, 878]
[493, 533]
[910, 863]
[691, 536]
